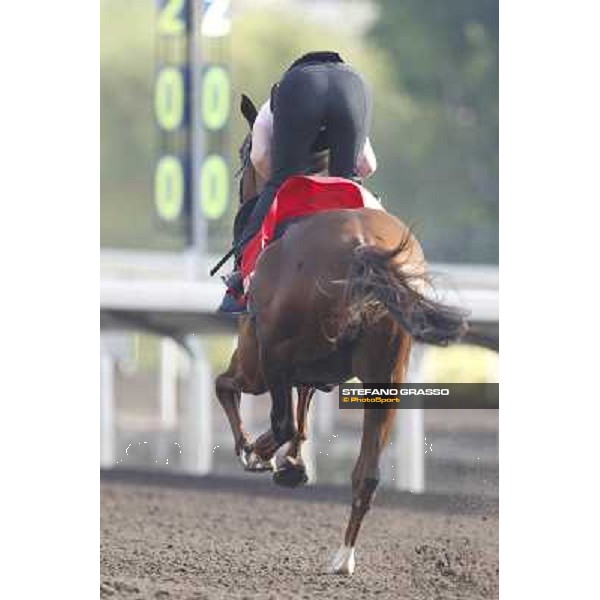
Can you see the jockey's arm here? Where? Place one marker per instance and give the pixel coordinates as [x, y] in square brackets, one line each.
[262, 134]
[366, 163]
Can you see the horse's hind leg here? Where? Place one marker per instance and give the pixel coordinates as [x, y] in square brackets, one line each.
[365, 478]
[377, 423]
[292, 472]
[283, 427]
[305, 395]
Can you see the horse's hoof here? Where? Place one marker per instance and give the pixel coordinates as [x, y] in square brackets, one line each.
[343, 562]
[243, 458]
[243, 449]
[265, 446]
[291, 474]
[254, 464]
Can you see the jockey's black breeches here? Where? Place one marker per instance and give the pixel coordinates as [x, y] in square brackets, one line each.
[309, 97]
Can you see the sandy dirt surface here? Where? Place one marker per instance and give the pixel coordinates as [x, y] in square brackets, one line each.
[164, 536]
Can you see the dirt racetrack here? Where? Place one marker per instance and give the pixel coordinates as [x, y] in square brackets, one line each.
[166, 537]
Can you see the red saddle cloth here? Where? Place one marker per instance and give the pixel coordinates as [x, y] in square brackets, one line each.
[302, 195]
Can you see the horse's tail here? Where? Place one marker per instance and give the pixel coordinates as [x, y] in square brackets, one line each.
[379, 284]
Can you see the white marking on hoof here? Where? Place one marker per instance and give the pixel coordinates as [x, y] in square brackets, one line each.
[343, 562]
[243, 459]
[254, 463]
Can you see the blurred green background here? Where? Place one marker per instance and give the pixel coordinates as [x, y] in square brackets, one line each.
[433, 66]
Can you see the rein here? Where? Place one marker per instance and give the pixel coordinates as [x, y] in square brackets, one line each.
[245, 162]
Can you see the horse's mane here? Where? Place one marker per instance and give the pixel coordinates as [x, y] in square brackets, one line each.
[319, 162]
[244, 154]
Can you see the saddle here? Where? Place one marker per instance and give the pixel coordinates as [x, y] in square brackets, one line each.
[302, 196]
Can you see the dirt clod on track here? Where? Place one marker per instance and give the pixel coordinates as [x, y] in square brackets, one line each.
[205, 539]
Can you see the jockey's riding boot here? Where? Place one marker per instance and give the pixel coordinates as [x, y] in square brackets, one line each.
[232, 305]
[234, 282]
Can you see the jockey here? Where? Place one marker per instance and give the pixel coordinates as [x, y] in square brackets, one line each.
[318, 92]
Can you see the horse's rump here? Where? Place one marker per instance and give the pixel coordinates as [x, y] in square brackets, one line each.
[338, 272]
[301, 278]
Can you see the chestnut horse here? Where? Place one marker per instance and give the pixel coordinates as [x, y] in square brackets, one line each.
[341, 294]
